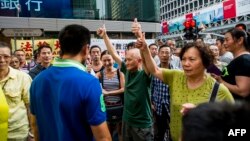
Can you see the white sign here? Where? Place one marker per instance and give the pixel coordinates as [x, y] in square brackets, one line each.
[242, 7]
[22, 32]
[119, 44]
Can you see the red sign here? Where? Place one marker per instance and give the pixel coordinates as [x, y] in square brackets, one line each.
[189, 16]
[164, 27]
[229, 9]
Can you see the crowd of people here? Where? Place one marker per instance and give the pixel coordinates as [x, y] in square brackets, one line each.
[156, 94]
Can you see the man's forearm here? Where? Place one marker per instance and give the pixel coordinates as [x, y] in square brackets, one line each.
[150, 63]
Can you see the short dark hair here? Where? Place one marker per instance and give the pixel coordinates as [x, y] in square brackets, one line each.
[18, 50]
[241, 25]
[72, 38]
[43, 46]
[130, 45]
[105, 52]
[213, 121]
[95, 46]
[153, 44]
[221, 40]
[35, 54]
[206, 55]
[162, 46]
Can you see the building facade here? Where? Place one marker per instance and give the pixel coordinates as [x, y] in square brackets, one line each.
[52, 15]
[216, 16]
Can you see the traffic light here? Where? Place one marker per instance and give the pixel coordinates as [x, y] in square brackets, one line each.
[190, 29]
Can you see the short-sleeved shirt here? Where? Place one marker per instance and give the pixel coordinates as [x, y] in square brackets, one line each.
[180, 94]
[16, 89]
[227, 57]
[137, 106]
[240, 66]
[66, 101]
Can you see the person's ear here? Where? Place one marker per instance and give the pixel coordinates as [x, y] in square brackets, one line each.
[85, 51]
[241, 41]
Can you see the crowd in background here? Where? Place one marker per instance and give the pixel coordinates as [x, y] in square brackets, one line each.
[156, 93]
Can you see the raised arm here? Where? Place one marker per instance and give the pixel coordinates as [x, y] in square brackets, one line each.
[144, 64]
[111, 49]
[148, 59]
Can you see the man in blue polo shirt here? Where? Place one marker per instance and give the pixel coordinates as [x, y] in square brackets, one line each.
[67, 102]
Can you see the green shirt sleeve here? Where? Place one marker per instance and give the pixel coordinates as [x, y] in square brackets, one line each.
[169, 75]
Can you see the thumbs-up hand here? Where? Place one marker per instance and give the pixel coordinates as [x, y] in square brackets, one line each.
[101, 31]
[136, 28]
[141, 42]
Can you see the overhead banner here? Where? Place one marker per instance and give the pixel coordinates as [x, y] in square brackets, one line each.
[229, 9]
[242, 7]
[210, 14]
[217, 12]
[27, 45]
[176, 24]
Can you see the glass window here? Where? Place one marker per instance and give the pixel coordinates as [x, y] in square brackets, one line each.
[182, 2]
[187, 8]
[200, 2]
[85, 9]
[191, 6]
[195, 4]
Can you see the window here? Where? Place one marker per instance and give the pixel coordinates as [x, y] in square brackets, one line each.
[200, 2]
[187, 8]
[195, 4]
[191, 6]
[182, 2]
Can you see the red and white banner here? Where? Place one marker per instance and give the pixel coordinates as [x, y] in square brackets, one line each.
[229, 9]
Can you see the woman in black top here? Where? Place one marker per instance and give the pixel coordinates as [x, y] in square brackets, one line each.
[236, 76]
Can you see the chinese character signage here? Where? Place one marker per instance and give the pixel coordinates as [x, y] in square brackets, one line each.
[36, 8]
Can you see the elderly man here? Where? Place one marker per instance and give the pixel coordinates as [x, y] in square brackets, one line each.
[15, 85]
[137, 115]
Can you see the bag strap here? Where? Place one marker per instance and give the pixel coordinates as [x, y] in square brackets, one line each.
[102, 74]
[118, 76]
[101, 78]
[214, 92]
